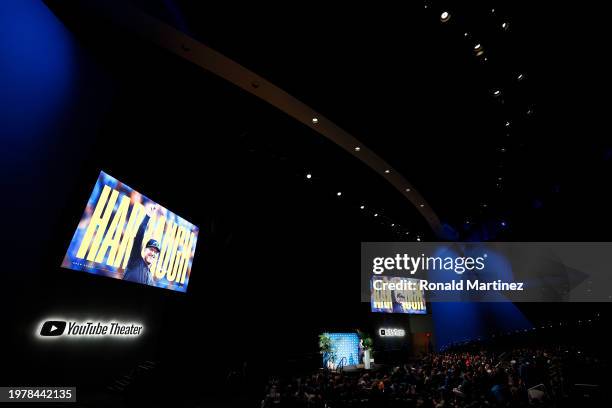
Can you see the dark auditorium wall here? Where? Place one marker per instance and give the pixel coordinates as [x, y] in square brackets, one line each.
[73, 107]
[54, 101]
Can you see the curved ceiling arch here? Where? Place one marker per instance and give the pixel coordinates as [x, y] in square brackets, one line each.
[206, 58]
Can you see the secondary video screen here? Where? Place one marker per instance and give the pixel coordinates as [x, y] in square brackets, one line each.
[125, 235]
[391, 295]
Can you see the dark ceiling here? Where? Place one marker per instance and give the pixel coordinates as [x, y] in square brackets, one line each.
[526, 164]
[490, 111]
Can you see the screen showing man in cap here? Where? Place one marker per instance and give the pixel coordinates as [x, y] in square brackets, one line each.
[141, 258]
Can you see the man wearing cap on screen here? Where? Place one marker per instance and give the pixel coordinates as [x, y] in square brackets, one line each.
[141, 259]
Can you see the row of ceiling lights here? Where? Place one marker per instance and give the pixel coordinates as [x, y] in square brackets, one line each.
[358, 149]
[445, 17]
[315, 121]
[397, 227]
[478, 49]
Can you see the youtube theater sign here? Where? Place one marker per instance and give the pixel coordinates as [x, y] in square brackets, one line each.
[58, 328]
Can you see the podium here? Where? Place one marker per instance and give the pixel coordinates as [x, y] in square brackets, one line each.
[367, 359]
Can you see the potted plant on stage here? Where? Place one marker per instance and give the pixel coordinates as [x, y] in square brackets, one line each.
[326, 349]
[366, 343]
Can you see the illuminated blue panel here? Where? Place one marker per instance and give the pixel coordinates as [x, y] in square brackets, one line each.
[346, 348]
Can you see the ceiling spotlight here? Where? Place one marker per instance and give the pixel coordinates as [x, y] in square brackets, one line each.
[339, 193]
[445, 16]
[503, 223]
[362, 207]
[504, 26]
[478, 50]
[376, 214]
[419, 239]
[407, 190]
[499, 178]
[315, 120]
[393, 225]
[357, 148]
[309, 176]
[387, 171]
[520, 77]
[496, 92]
[407, 233]
[507, 123]
[422, 205]
[484, 205]
[465, 34]
[503, 150]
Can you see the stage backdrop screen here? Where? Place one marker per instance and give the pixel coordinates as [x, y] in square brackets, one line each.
[385, 300]
[345, 347]
[125, 235]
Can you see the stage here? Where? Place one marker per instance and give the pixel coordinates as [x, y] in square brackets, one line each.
[357, 368]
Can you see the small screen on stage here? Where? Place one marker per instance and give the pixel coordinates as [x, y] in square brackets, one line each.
[393, 295]
[125, 235]
[345, 350]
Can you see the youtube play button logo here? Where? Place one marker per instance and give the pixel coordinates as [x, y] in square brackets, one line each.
[56, 328]
[53, 328]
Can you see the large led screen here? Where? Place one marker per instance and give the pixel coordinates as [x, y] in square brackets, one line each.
[394, 295]
[125, 235]
[345, 350]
